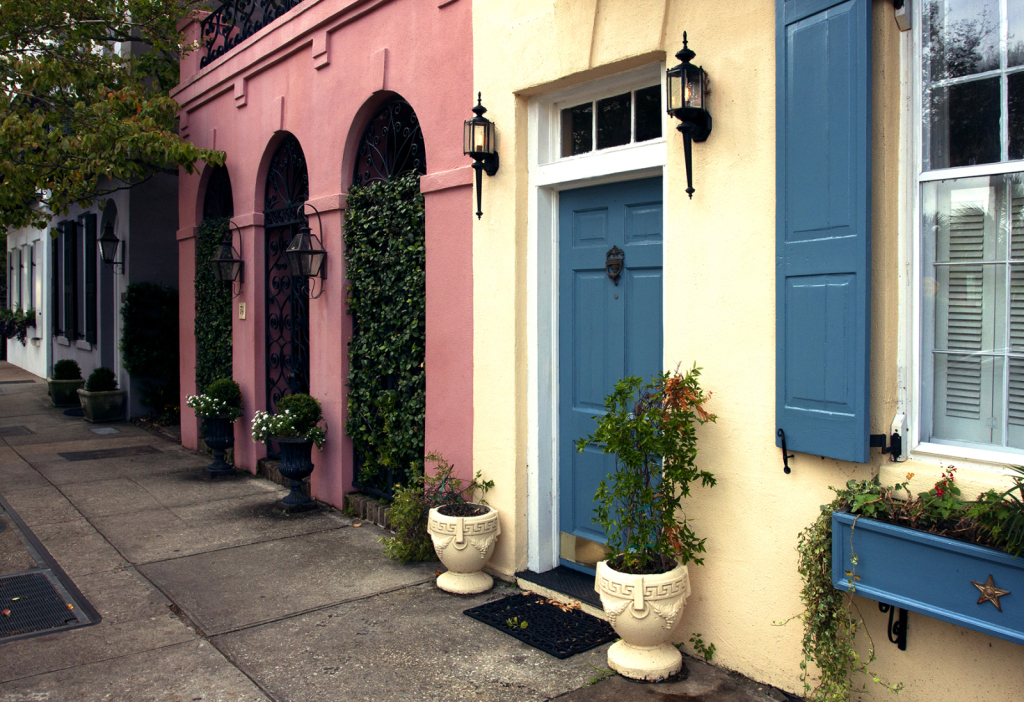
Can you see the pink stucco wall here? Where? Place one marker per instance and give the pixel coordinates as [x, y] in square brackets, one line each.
[319, 73]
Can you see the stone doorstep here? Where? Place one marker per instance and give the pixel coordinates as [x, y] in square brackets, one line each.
[369, 509]
[527, 586]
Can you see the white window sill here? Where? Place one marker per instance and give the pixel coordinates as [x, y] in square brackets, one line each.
[989, 457]
[84, 345]
[63, 341]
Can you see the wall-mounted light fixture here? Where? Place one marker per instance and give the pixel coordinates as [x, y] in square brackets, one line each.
[687, 102]
[478, 141]
[108, 244]
[227, 263]
[306, 255]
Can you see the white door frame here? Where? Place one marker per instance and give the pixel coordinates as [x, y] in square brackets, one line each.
[548, 175]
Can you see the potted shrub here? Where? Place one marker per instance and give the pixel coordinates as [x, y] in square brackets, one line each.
[64, 385]
[463, 532]
[101, 399]
[296, 428]
[218, 407]
[644, 583]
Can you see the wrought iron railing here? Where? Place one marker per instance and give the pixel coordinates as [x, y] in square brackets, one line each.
[235, 21]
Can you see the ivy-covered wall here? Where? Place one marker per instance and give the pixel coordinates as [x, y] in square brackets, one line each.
[213, 308]
[386, 256]
[149, 344]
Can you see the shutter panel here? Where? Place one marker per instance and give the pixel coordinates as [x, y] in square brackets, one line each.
[965, 324]
[70, 239]
[89, 256]
[1016, 409]
[55, 280]
[823, 245]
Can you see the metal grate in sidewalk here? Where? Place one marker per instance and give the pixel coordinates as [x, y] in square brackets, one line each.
[29, 603]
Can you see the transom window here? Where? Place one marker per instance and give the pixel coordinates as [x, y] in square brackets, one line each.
[613, 121]
[972, 225]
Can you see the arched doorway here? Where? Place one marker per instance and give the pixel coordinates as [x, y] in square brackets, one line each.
[385, 251]
[287, 298]
[213, 297]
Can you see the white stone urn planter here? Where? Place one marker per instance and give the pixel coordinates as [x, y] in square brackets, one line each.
[464, 545]
[644, 611]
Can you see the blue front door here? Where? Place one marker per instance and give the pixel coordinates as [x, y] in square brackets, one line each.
[606, 330]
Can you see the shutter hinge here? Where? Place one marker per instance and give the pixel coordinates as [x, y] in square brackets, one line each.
[895, 447]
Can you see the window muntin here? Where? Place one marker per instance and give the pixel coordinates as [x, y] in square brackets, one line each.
[617, 120]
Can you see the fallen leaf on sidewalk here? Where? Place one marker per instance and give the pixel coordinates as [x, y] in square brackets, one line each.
[6, 613]
[437, 572]
[357, 525]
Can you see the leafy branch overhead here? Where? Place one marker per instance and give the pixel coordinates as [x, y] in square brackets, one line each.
[85, 106]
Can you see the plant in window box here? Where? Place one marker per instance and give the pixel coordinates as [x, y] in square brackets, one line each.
[14, 324]
[101, 398]
[464, 532]
[218, 407]
[652, 430]
[64, 384]
[295, 427]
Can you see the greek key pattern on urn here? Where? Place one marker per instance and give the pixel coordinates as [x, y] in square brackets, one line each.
[660, 591]
[471, 529]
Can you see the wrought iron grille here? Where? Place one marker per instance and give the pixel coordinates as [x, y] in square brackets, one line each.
[235, 21]
[391, 145]
[218, 201]
[287, 314]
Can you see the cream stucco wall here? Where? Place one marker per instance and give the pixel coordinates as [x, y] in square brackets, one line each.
[720, 312]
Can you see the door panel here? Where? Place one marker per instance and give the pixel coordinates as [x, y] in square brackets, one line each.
[606, 330]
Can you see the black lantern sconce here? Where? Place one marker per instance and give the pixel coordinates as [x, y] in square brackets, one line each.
[687, 102]
[478, 141]
[108, 244]
[227, 263]
[306, 255]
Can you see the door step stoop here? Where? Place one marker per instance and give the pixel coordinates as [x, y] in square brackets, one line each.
[528, 586]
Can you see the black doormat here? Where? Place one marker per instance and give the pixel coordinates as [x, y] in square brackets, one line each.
[534, 620]
[75, 412]
[30, 603]
[565, 580]
[122, 452]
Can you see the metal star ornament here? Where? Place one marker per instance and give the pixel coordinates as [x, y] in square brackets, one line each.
[990, 593]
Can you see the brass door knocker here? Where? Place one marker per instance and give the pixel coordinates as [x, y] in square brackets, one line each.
[613, 263]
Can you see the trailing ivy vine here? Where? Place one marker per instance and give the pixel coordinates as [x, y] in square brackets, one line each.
[386, 257]
[149, 344]
[213, 308]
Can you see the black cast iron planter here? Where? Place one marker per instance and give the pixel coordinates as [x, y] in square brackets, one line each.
[296, 465]
[220, 436]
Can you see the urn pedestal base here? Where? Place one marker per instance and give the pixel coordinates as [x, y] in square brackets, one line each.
[465, 583]
[644, 662]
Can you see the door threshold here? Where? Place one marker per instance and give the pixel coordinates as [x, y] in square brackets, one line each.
[563, 585]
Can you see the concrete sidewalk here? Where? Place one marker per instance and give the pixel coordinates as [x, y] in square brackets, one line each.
[207, 593]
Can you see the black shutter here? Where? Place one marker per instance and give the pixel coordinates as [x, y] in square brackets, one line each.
[55, 280]
[89, 255]
[70, 280]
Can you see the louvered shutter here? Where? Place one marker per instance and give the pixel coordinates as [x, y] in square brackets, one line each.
[823, 245]
[89, 256]
[70, 280]
[1016, 389]
[55, 280]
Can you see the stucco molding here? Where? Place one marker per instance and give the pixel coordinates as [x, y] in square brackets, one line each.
[253, 219]
[187, 233]
[443, 180]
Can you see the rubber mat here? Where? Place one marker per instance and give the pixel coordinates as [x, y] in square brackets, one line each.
[534, 620]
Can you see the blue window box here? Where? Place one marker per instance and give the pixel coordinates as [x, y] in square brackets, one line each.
[928, 574]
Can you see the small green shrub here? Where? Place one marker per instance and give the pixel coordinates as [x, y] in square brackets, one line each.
[305, 411]
[453, 496]
[67, 370]
[411, 542]
[226, 390]
[101, 380]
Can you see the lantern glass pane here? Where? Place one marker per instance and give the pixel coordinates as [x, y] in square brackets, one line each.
[675, 89]
[316, 262]
[480, 140]
[694, 96]
[467, 137]
[108, 250]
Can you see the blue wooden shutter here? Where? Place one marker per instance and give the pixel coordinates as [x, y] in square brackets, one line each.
[89, 256]
[823, 237]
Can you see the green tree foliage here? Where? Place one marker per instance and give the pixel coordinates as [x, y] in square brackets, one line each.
[386, 256]
[213, 308]
[83, 112]
[149, 343]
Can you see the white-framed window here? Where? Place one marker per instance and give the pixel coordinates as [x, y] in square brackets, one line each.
[969, 80]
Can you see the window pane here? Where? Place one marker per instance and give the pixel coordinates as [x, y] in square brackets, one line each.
[968, 398]
[1015, 99]
[649, 116]
[577, 129]
[964, 124]
[614, 121]
[961, 36]
[1015, 38]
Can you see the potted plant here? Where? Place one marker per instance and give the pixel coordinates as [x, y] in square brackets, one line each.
[644, 583]
[218, 407]
[14, 324]
[464, 532]
[64, 385]
[101, 399]
[296, 428]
